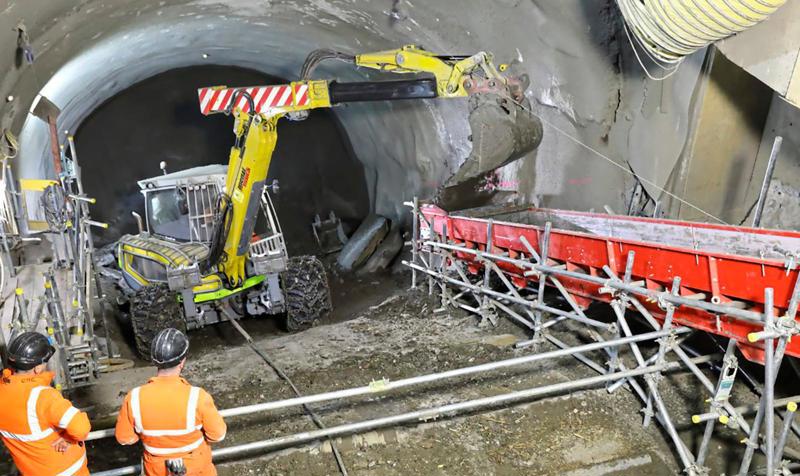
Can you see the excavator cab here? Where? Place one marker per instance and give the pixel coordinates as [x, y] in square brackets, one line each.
[179, 210]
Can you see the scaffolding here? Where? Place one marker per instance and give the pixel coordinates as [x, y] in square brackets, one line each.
[496, 268]
[679, 277]
[55, 298]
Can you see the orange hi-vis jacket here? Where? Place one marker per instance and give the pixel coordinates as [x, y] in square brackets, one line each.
[34, 415]
[173, 420]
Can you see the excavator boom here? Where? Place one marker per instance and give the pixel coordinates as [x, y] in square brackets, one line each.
[513, 131]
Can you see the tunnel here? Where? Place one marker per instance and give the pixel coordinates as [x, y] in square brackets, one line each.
[631, 153]
[313, 160]
[405, 148]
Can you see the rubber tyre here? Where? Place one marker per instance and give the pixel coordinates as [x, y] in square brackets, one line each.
[308, 297]
[153, 309]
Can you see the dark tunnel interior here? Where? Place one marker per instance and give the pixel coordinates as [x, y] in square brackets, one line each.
[159, 119]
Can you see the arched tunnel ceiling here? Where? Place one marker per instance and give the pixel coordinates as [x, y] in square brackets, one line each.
[583, 80]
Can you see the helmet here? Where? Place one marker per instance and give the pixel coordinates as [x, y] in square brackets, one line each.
[28, 350]
[168, 348]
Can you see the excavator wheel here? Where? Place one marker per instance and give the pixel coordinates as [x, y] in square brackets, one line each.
[308, 297]
[154, 308]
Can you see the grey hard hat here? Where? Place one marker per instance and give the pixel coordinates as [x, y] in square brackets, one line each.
[168, 348]
[28, 350]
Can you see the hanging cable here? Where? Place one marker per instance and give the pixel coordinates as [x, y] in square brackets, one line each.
[318, 56]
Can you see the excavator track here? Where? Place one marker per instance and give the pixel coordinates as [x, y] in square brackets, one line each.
[154, 308]
[308, 297]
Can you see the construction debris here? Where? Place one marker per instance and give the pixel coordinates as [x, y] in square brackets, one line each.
[386, 252]
[363, 243]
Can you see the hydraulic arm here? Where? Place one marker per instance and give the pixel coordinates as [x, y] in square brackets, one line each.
[257, 110]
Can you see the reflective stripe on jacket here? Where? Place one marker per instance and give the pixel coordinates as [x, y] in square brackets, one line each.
[173, 420]
[33, 416]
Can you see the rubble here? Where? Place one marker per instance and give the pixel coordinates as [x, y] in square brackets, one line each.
[363, 243]
[384, 255]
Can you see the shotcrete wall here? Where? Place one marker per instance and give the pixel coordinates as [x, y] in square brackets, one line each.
[586, 85]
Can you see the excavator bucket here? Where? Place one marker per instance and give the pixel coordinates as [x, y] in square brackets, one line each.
[503, 130]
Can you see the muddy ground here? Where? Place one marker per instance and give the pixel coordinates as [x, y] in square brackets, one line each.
[382, 330]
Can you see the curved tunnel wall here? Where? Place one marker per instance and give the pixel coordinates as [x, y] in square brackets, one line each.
[584, 81]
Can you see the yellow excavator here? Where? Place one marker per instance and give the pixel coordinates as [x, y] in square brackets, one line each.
[196, 260]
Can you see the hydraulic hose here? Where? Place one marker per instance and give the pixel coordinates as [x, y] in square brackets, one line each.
[668, 30]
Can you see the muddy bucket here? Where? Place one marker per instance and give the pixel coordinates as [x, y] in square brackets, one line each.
[503, 130]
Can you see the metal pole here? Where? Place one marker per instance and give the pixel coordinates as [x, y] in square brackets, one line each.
[769, 381]
[752, 440]
[420, 415]
[709, 429]
[747, 409]
[544, 245]
[749, 316]
[791, 408]
[762, 196]
[523, 302]
[414, 240]
[382, 386]
[486, 311]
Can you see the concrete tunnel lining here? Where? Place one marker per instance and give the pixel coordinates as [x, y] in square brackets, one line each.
[583, 80]
[385, 137]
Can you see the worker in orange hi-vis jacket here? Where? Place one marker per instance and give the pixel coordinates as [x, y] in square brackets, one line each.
[41, 429]
[174, 420]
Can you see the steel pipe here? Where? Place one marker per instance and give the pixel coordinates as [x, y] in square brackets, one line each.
[749, 316]
[770, 374]
[762, 195]
[382, 386]
[746, 409]
[419, 415]
[524, 302]
[791, 409]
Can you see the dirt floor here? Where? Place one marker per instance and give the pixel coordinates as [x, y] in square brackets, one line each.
[383, 330]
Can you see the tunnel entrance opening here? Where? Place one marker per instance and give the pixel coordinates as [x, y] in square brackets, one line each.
[158, 119]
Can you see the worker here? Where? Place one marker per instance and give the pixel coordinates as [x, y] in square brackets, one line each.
[174, 420]
[42, 430]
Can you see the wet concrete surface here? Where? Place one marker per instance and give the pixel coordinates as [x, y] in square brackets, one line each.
[383, 330]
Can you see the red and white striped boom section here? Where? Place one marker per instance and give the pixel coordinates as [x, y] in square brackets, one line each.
[267, 99]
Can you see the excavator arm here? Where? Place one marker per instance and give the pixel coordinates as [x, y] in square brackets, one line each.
[257, 110]
[451, 72]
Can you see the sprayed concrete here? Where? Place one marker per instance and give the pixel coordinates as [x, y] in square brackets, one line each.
[584, 82]
[782, 209]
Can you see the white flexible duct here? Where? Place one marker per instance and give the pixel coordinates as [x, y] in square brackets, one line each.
[668, 30]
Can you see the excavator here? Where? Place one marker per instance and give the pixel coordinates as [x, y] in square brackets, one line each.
[197, 260]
